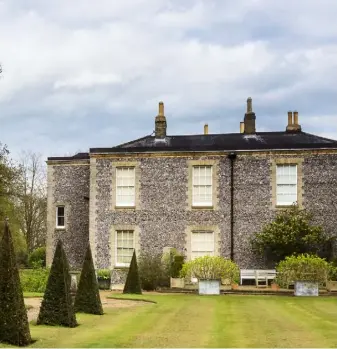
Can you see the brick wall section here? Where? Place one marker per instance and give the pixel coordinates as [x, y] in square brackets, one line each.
[68, 185]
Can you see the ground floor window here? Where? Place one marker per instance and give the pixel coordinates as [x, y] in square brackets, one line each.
[124, 247]
[202, 244]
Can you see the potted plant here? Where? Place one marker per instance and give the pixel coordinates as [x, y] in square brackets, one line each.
[331, 284]
[104, 279]
[305, 271]
[274, 285]
[235, 284]
[209, 271]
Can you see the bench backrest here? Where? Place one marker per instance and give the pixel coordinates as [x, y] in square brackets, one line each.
[247, 272]
[265, 273]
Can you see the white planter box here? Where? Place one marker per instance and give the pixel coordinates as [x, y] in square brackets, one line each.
[306, 288]
[177, 282]
[209, 287]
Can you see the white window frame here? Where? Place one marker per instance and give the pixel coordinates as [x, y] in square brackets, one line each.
[57, 216]
[117, 264]
[278, 203]
[203, 232]
[202, 204]
[123, 204]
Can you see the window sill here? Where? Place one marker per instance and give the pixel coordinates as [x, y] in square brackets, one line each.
[202, 207]
[60, 228]
[121, 267]
[125, 207]
[283, 206]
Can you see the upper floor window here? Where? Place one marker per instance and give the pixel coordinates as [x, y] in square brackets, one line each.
[202, 244]
[60, 217]
[125, 247]
[286, 184]
[125, 186]
[202, 186]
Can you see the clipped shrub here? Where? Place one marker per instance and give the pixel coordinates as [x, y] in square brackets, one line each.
[173, 262]
[211, 268]
[34, 280]
[14, 327]
[132, 284]
[152, 271]
[104, 273]
[303, 267]
[87, 298]
[22, 259]
[37, 258]
[57, 307]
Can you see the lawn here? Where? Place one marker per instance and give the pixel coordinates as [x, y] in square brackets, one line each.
[203, 321]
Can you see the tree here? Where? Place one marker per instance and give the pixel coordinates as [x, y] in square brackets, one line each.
[14, 327]
[32, 200]
[9, 184]
[132, 284]
[87, 298]
[292, 232]
[57, 307]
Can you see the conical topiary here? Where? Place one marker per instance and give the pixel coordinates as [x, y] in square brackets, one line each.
[87, 298]
[132, 284]
[14, 327]
[57, 307]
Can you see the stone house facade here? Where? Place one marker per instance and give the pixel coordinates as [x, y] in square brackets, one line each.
[203, 194]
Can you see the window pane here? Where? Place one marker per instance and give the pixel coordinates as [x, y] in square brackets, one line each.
[60, 221]
[60, 210]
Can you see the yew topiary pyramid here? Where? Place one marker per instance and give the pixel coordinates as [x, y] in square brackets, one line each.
[132, 284]
[14, 326]
[57, 307]
[87, 298]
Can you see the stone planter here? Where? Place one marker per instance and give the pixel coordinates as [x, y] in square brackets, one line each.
[177, 282]
[209, 287]
[103, 283]
[331, 286]
[306, 288]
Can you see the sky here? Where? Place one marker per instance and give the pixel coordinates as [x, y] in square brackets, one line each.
[82, 73]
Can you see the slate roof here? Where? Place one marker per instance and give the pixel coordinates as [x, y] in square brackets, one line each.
[226, 142]
[217, 142]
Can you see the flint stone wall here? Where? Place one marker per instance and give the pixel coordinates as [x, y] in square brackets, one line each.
[69, 185]
[163, 214]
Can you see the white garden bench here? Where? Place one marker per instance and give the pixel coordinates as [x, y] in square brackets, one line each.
[263, 276]
[247, 274]
[258, 275]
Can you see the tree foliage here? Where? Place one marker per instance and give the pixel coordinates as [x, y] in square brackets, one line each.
[292, 232]
[57, 306]
[132, 284]
[14, 327]
[87, 298]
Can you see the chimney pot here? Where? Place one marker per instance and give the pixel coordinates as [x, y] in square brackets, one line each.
[290, 118]
[206, 129]
[295, 117]
[249, 120]
[160, 122]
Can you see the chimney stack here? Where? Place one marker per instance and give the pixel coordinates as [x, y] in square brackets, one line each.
[160, 122]
[242, 127]
[206, 129]
[249, 120]
[293, 125]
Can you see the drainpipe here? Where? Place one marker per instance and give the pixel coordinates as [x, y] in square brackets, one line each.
[232, 157]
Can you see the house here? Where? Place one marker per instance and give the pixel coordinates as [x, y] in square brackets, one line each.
[204, 194]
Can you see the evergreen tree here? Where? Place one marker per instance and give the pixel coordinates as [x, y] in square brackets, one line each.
[87, 298]
[132, 284]
[57, 307]
[14, 327]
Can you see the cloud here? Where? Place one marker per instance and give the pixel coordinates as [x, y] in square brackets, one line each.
[78, 74]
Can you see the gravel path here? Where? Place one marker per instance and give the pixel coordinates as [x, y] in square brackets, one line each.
[35, 304]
